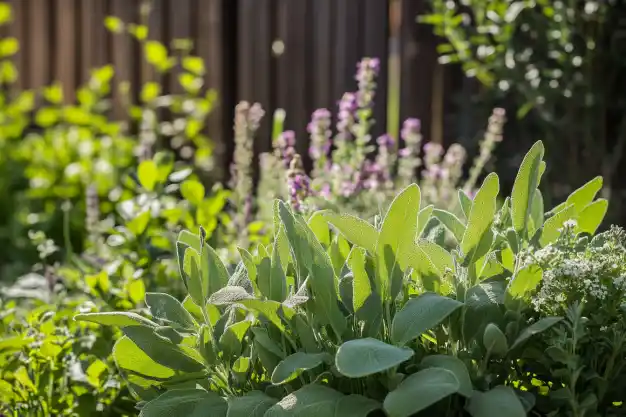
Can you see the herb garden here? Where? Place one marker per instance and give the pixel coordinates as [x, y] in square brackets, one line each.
[396, 277]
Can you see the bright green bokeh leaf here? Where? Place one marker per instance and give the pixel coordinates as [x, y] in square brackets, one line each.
[147, 172]
[192, 191]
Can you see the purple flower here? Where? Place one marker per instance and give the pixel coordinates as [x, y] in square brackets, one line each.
[410, 128]
[433, 149]
[319, 129]
[298, 183]
[385, 140]
[284, 146]
[367, 71]
[346, 115]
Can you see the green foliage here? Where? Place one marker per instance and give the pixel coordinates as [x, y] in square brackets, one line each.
[401, 326]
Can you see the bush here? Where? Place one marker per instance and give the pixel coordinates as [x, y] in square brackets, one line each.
[339, 315]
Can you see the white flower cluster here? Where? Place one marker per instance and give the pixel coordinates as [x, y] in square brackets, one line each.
[592, 273]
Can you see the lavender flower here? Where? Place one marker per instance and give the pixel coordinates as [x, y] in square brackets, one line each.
[319, 129]
[346, 117]
[247, 121]
[492, 137]
[452, 170]
[409, 159]
[298, 183]
[92, 212]
[367, 71]
[285, 147]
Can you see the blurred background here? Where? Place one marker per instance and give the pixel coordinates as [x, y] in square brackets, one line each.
[556, 67]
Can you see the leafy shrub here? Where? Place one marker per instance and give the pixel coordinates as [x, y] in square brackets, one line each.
[64, 150]
[558, 62]
[339, 315]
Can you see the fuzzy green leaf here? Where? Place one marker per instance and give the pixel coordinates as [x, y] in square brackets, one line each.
[551, 228]
[253, 404]
[466, 204]
[129, 357]
[422, 219]
[454, 365]
[293, 365]
[526, 182]
[421, 314]
[186, 402]
[168, 309]
[590, 217]
[162, 351]
[362, 357]
[497, 402]
[120, 319]
[480, 218]
[535, 328]
[419, 391]
[396, 240]
[356, 231]
[316, 400]
[451, 222]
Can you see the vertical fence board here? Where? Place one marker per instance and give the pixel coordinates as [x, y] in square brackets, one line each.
[66, 42]
[94, 44]
[39, 12]
[16, 29]
[348, 47]
[418, 60]
[124, 60]
[210, 46]
[322, 65]
[376, 38]
[294, 77]
[180, 28]
[155, 24]
[255, 81]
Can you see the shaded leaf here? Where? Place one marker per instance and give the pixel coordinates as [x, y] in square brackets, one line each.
[362, 357]
[419, 391]
[421, 314]
[293, 365]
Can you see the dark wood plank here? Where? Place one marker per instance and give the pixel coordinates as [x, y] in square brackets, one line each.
[294, 82]
[210, 45]
[94, 45]
[40, 48]
[323, 44]
[418, 57]
[66, 42]
[17, 30]
[124, 59]
[254, 61]
[156, 32]
[376, 45]
[348, 44]
[180, 29]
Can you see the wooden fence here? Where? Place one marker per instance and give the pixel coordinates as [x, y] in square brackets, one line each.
[292, 54]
